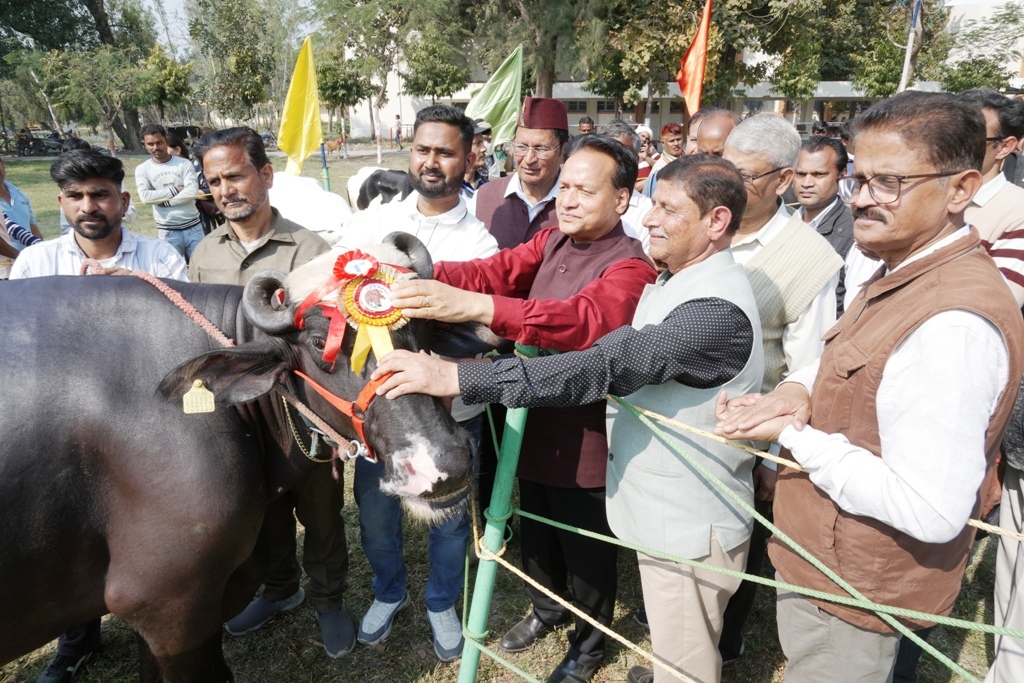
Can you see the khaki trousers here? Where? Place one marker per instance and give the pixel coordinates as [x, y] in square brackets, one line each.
[685, 607]
[820, 647]
[1008, 666]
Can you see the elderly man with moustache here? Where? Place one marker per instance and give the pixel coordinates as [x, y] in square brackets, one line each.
[695, 332]
[898, 426]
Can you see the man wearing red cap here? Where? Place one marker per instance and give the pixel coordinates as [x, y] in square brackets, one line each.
[518, 206]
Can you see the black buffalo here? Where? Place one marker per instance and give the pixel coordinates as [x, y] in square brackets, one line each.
[114, 500]
[386, 184]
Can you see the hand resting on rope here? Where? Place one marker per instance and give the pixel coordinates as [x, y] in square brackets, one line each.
[762, 418]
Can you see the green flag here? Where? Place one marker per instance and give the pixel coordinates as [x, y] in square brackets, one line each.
[498, 101]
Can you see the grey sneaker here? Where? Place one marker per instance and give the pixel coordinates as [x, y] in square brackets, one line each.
[337, 631]
[375, 625]
[260, 611]
[63, 668]
[447, 630]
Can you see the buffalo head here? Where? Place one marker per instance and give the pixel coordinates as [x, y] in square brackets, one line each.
[428, 458]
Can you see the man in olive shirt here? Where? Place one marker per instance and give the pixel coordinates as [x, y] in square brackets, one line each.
[256, 237]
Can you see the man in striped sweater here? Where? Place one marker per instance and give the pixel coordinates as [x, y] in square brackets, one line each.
[171, 184]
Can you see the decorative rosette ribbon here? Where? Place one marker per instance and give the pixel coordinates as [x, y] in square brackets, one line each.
[364, 304]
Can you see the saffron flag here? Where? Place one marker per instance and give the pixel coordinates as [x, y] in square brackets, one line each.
[498, 101]
[301, 133]
[691, 67]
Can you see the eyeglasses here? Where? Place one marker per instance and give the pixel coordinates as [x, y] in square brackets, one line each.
[543, 152]
[884, 189]
[749, 178]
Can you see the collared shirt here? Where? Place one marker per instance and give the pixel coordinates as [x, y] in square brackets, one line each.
[221, 259]
[633, 219]
[821, 215]
[937, 394]
[802, 341]
[63, 256]
[456, 235]
[989, 190]
[516, 188]
[18, 209]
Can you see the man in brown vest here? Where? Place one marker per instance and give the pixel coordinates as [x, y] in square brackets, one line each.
[905, 411]
[518, 206]
[561, 291]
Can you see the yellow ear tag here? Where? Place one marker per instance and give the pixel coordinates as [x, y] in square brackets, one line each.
[198, 399]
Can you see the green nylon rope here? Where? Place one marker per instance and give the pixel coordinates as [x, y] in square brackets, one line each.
[842, 583]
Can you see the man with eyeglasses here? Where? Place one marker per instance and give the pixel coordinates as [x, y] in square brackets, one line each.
[997, 211]
[794, 273]
[898, 426]
[518, 206]
[822, 162]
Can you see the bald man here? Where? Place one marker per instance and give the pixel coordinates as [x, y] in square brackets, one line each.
[713, 131]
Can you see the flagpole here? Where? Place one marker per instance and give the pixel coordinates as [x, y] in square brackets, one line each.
[323, 162]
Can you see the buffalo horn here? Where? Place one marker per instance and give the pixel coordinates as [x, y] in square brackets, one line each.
[256, 302]
[418, 254]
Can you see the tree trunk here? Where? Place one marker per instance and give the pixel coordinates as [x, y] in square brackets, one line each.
[544, 64]
[129, 130]
[99, 15]
[915, 36]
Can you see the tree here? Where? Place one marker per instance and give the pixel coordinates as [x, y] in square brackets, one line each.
[341, 86]
[169, 83]
[975, 72]
[433, 66]
[982, 48]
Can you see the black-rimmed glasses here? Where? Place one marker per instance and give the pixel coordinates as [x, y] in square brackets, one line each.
[884, 189]
[749, 178]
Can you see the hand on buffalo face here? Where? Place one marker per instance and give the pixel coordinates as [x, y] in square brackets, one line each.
[417, 373]
[437, 301]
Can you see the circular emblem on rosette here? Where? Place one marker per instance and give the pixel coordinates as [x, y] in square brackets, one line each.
[368, 300]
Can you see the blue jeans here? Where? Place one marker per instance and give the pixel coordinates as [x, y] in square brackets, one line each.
[380, 526]
[184, 241]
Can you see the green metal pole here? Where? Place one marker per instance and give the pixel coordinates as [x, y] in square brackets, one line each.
[494, 535]
[326, 173]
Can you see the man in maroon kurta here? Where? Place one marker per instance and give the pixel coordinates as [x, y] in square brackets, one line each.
[517, 207]
[560, 291]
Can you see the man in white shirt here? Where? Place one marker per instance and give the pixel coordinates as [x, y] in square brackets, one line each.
[170, 182]
[95, 205]
[639, 205]
[794, 273]
[905, 413]
[92, 201]
[437, 214]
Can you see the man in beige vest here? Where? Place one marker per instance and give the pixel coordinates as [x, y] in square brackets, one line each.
[997, 211]
[794, 273]
[899, 424]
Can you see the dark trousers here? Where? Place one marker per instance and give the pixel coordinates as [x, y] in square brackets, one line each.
[908, 656]
[81, 640]
[571, 566]
[742, 601]
[316, 501]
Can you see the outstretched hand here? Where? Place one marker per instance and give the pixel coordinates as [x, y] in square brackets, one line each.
[437, 301]
[417, 373]
[762, 418]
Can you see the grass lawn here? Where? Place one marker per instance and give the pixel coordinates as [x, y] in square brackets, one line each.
[32, 176]
[288, 649]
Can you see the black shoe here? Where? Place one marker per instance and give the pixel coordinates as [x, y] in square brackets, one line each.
[571, 671]
[63, 668]
[526, 632]
[640, 674]
[640, 616]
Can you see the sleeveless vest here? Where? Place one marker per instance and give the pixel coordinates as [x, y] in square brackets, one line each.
[886, 565]
[507, 218]
[786, 275]
[653, 497]
[568, 447]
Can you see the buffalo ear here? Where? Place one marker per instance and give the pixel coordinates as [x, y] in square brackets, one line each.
[466, 340]
[234, 375]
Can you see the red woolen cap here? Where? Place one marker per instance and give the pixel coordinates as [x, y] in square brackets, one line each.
[544, 113]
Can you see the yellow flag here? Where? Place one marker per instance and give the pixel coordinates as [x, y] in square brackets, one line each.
[301, 133]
